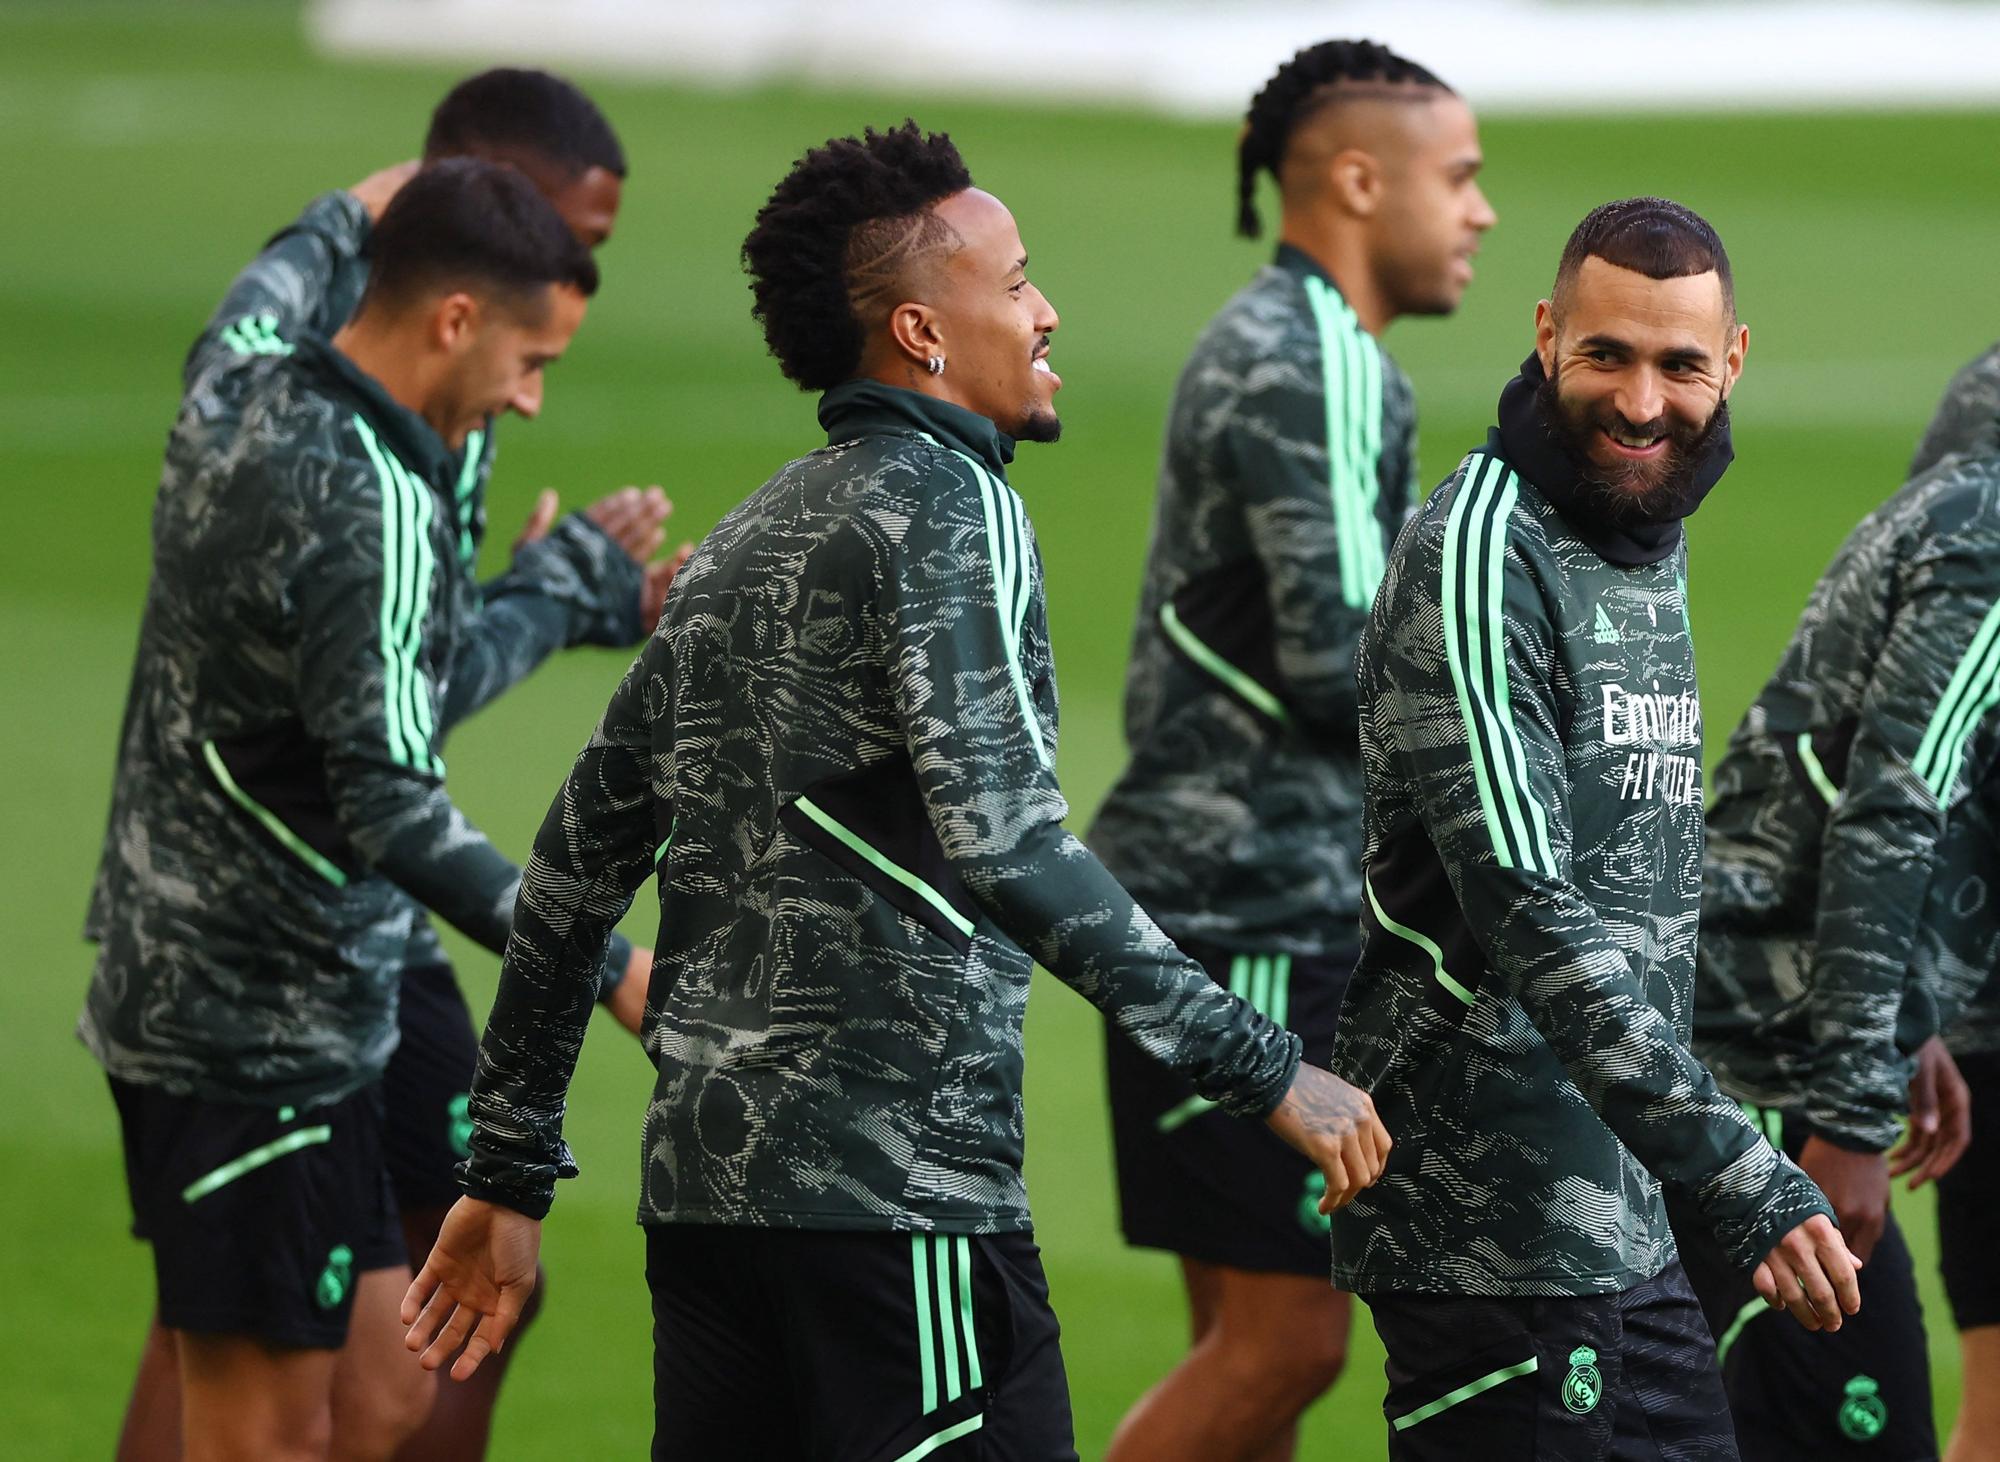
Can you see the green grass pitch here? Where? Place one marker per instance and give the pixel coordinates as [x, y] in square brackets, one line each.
[153, 147]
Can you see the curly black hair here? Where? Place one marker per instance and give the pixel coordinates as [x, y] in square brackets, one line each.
[1299, 89]
[840, 229]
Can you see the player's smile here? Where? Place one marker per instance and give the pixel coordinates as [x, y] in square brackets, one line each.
[1041, 364]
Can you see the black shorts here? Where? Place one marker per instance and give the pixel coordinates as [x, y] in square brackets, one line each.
[261, 1218]
[1968, 1204]
[853, 1347]
[1627, 1377]
[1863, 1391]
[1194, 1180]
[426, 1087]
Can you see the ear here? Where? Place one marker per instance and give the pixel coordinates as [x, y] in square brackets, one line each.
[916, 333]
[1355, 180]
[1732, 361]
[1545, 336]
[454, 320]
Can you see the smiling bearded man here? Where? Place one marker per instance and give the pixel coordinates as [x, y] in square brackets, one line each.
[1531, 739]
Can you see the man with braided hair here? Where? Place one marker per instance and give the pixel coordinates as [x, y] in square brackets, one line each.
[837, 753]
[1531, 739]
[1288, 466]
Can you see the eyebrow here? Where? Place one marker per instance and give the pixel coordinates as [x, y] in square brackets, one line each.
[1021, 264]
[1692, 355]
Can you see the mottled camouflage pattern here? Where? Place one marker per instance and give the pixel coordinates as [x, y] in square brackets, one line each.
[1849, 838]
[1532, 743]
[228, 965]
[1230, 825]
[1967, 422]
[833, 1051]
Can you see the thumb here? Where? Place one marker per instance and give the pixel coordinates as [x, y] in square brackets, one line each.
[543, 518]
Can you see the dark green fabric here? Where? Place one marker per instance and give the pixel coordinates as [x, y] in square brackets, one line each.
[1531, 737]
[864, 635]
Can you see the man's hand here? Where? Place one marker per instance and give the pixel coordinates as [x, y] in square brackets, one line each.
[480, 1273]
[1812, 1274]
[628, 1002]
[547, 504]
[1335, 1125]
[1940, 1118]
[635, 520]
[377, 189]
[1856, 1184]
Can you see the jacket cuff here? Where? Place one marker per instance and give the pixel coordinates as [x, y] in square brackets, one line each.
[617, 959]
[581, 567]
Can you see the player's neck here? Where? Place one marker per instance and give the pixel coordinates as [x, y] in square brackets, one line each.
[389, 356]
[1342, 253]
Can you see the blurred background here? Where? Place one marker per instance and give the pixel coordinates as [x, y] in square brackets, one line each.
[1846, 154]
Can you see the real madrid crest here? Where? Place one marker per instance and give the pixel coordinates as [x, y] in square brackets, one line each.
[1862, 1414]
[1583, 1385]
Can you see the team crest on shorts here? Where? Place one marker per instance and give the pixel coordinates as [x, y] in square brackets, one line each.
[1583, 1385]
[335, 1278]
[1862, 1414]
[1310, 1218]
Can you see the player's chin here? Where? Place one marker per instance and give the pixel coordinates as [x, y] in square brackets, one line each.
[1038, 423]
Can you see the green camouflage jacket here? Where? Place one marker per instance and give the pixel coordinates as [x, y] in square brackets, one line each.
[1531, 736]
[1837, 818]
[1290, 452]
[839, 750]
[311, 628]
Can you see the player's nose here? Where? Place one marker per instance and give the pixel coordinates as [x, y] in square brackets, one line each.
[527, 399]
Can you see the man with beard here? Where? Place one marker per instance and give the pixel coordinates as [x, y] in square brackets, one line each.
[838, 753]
[1289, 465]
[1531, 739]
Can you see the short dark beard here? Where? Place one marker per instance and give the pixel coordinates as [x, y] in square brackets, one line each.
[1627, 497]
[1039, 425]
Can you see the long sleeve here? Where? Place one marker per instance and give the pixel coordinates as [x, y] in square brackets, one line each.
[1312, 526]
[1937, 675]
[307, 278]
[574, 587]
[362, 599]
[963, 603]
[594, 850]
[1488, 777]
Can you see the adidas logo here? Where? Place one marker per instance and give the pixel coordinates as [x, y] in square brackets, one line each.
[1605, 632]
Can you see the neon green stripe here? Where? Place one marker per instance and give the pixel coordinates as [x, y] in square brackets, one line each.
[1424, 942]
[1750, 1311]
[950, 1434]
[423, 573]
[1465, 1393]
[922, 1270]
[392, 578]
[1220, 668]
[307, 855]
[1975, 706]
[1183, 1114]
[1332, 339]
[468, 482]
[896, 871]
[1509, 739]
[947, 1336]
[229, 1172]
[1281, 988]
[1472, 489]
[1817, 773]
[973, 1379]
[1951, 705]
[1007, 551]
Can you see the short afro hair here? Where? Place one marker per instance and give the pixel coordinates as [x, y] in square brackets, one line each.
[511, 112]
[843, 210]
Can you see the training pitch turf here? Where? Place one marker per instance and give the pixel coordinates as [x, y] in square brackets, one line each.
[154, 147]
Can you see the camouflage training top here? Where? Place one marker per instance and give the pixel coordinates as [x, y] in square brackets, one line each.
[1531, 737]
[308, 633]
[1291, 446]
[1838, 806]
[840, 748]
[573, 587]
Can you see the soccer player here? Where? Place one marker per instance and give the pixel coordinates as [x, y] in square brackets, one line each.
[838, 751]
[1531, 738]
[1289, 464]
[1846, 835]
[581, 581]
[280, 801]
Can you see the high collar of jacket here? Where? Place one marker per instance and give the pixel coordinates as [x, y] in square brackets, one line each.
[1296, 261]
[862, 408]
[1528, 442]
[414, 441]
